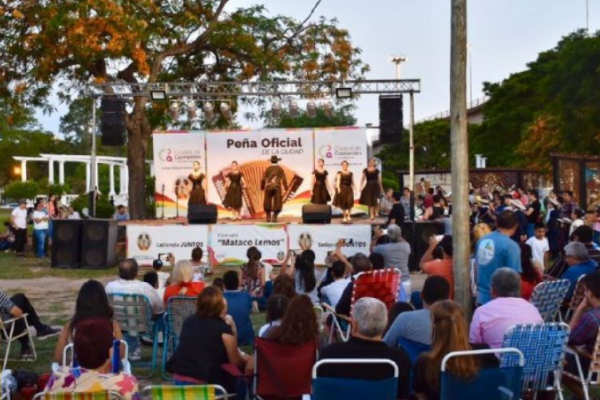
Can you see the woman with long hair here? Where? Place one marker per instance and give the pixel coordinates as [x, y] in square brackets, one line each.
[252, 279]
[530, 276]
[182, 282]
[92, 302]
[299, 323]
[450, 333]
[371, 188]
[303, 273]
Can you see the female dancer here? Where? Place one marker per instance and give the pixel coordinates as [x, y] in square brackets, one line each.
[234, 185]
[197, 196]
[320, 185]
[371, 188]
[344, 196]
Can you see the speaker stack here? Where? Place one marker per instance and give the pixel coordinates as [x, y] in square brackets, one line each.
[202, 214]
[84, 243]
[112, 122]
[316, 214]
[391, 123]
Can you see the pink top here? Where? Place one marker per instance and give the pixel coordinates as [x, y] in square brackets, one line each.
[493, 319]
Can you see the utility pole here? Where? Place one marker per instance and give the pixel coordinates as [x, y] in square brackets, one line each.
[460, 155]
[94, 166]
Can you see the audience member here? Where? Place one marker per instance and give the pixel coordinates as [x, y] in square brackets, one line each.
[303, 272]
[240, 306]
[93, 345]
[578, 219]
[201, 270]
[416, 325]
[585, 234]
[163, 277]
[577, 256]
[206, 343]
[369, 319]
[496, 250]
[40, 229]
[285, 286]
[183, 285]
[540, 246]
[398, 212]
[121, 214]
[276, 306]
[18, 220]
[332, 292]
[299, 323]
[377, 261]
[397, 309]
[395, 253]
[151, 278]
[253, 277]
[533, 211]
[506, 309]
[218, 282]
[439, 267]
[387, 202]
[72, 213]
[91, 302]
[360, 263]
[405, 201]
[531, 276]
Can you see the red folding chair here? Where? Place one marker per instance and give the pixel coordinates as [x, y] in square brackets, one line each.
[283, 371]
[382, 284]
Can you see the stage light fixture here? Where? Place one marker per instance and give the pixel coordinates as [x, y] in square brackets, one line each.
[158, 95]
[328, 109]
[209, 111]
[294, 111]
[174, 109]
[311, 109]
[343, 93]
[276, 109]
[226, 111]
[192, 110]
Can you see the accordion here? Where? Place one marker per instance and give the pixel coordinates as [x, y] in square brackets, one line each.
[252, 194]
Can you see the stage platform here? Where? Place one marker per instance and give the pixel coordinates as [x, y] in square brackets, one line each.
[281, 220]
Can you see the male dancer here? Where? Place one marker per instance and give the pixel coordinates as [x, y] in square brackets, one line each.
[271, 183]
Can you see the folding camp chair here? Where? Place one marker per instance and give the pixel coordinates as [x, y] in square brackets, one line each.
[282, 370]
[178, 309]
[503, 383]
[593, 373]
[576, 299]
[548, 296]
[126, 366]
[99, 395]
[8, 334]
[413, 349]
[325, 388]
[133, 312]
[191, 392]
[383, 284]
[543, 346]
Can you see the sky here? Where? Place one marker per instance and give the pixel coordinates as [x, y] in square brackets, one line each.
[504, 36]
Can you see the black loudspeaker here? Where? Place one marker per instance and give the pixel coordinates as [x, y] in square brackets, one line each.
[98, 243]
[390, 119]
[112, 123]
[66, 243]
[202, 214]
[316, 214]
[423, 231]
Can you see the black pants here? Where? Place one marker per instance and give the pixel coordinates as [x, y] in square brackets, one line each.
[21, 301]
[20, 240]
[273, 199]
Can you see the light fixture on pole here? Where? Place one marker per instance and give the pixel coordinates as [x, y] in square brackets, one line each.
[174, 110]
[192, 110]
[276, 110]
[343, 93]
[158, 95]
[398, 59]
[226, 111]
[294, 111]
[328, 109]
[311, 109]
[209, 111]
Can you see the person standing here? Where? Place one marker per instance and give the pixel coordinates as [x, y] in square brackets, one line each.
[40, 229]
[405, 201]
[533, 210]
[569, 205]
[320, 185]
[371, 188]
[344, 195]
[198, 194]
[395, 253]
[18, 220]
[387, 202]
[234, 185]
[273, 181]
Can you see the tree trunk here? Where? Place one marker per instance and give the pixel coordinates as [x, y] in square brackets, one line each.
[138, 130]
[460, 156]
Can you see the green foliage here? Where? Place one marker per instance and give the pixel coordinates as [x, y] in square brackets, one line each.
[390, 184]
[59, 189]
[21, 190]
[341, 116]
[103, 207]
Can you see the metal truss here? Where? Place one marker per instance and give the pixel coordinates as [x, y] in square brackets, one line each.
[309, 89]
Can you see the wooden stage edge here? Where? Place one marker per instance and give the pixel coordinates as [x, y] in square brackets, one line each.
[281, 220]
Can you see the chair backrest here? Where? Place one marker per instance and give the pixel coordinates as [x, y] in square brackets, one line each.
[283, 370]
[96, 395]
[543, 346]
[413, 349]
[124, 357]
[133, 312]
[191, 392]
[503, 383]
[382, 284]
[354, 388]
[319, 314]
[178, 309]
[548, 296]
[594, 370]
[577, 294]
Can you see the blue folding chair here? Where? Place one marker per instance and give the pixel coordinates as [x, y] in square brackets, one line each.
[548, 296]
[413, 349]
[326, 388]
[178, 309]
[543, 346]
[503, 383]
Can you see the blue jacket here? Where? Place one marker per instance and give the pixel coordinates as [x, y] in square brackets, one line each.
[574, 272]
[239, 306]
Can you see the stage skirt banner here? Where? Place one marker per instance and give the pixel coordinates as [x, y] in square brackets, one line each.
[146, 242]
[174, 155]
[335, 145]
[253, 150]
[229, 243]
[322, 239]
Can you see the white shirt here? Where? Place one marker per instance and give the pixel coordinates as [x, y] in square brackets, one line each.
[75, 215]
[137, 287]
[334, 291]
[163, 277]
[576, 224]
[263, 329]
[20, 217]
[538, 248]
[41, 225]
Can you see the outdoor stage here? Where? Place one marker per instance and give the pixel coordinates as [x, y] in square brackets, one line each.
[361, 220]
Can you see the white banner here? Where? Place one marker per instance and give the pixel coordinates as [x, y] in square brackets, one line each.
[322, 239]
[335, 145]
[253, 150]
[146, 242]
[174, 155]
[229, 243]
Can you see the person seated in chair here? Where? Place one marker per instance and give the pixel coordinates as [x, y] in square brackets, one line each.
[369, 319]
[239, 306]
[578, 258]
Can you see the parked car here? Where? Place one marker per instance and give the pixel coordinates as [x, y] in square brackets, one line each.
[9, 206]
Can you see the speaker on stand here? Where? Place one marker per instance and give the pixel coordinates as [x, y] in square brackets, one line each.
[112, 122]
[202, 214]
[316, 214]
[390, 119]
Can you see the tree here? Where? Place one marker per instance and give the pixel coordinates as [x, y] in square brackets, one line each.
[76, 42]
[21, 190]
[340, 117]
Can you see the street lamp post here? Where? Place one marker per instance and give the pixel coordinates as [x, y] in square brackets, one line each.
[93, 166]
